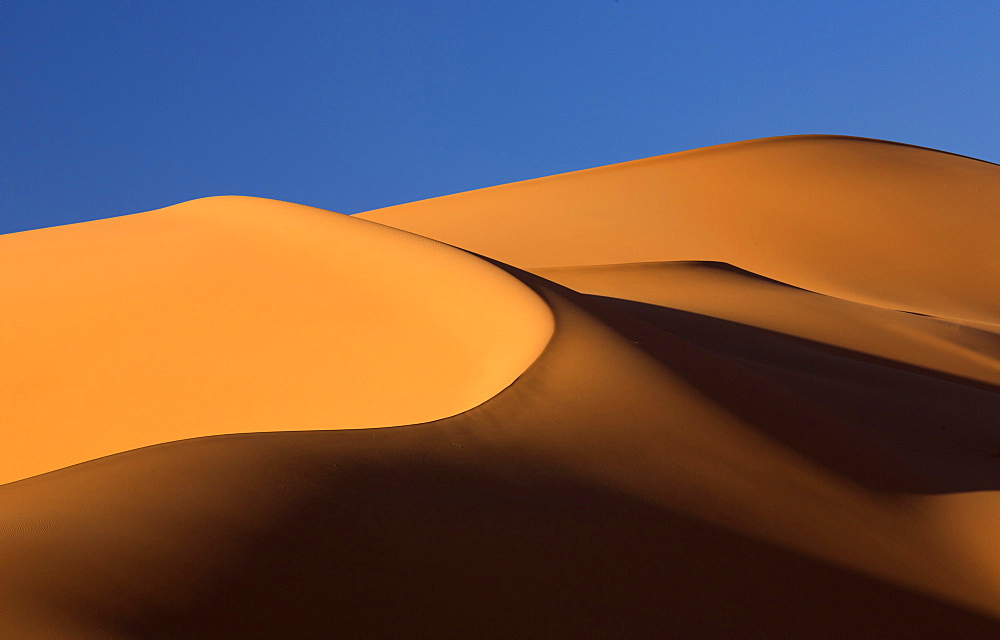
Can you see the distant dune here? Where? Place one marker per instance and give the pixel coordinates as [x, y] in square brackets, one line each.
[865, 220]
[744, 391]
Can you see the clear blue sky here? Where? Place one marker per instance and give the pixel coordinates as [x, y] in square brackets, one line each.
[111, 108]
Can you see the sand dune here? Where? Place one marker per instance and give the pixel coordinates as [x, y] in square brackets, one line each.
[723, 291]
[727, 400]
[234, 314]
[865, 220]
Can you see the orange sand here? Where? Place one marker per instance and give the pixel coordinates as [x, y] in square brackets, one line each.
[871, 221]
[745, 391]
[232, 314]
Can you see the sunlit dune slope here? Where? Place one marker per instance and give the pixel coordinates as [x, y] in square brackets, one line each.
[870, 221]
[242, 314]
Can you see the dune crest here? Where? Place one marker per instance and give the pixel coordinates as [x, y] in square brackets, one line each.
[729, 293]
[871, 221]
[234, 314]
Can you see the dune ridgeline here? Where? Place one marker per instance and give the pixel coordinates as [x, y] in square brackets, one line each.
[750, 390]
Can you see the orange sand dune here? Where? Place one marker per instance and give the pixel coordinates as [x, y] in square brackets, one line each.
[636, 439]
[234, 314]
[722, 291]
[866, 220]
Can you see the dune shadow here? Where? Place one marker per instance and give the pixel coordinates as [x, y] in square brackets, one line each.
[946, 427]
[423, 550]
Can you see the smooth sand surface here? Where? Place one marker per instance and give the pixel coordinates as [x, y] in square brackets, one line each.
[722, 291]
[697, 450]
[233, 314]
[871, 221]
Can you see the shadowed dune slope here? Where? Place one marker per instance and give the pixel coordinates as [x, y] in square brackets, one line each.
[870, 221]
[722, 291]
[243, 314]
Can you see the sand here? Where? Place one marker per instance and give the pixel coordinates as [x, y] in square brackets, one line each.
[864, 220]
[231, 314]
[701, 395]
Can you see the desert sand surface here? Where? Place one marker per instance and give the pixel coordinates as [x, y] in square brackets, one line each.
[743, 391]
[236, 314]
[864, 220]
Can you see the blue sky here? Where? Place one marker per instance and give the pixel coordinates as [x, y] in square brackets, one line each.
[111, 108]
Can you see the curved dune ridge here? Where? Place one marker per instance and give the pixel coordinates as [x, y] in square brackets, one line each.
[866, 220]
[725, 292]
[235, 314]
[744, 391]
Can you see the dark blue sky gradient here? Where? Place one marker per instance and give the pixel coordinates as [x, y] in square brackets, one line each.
[111, 108]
